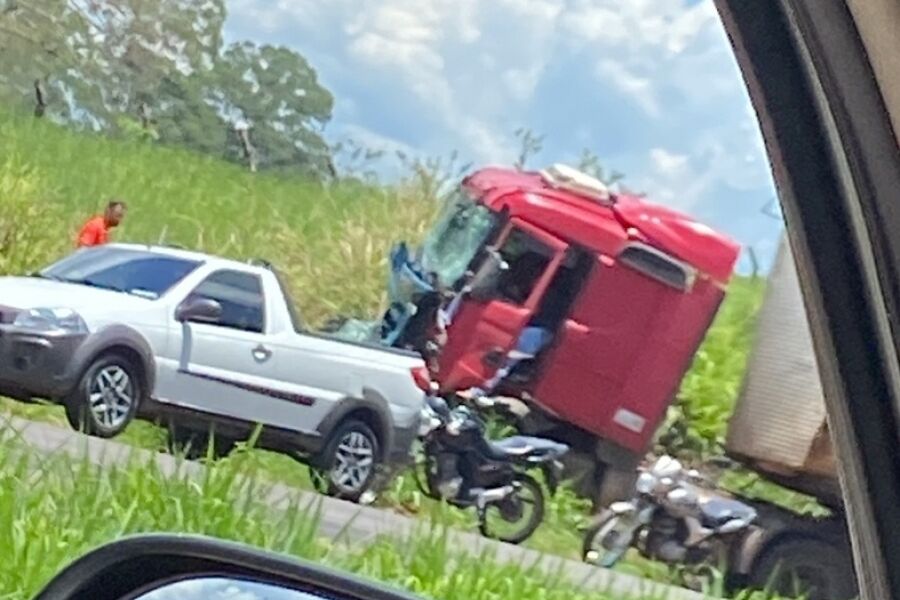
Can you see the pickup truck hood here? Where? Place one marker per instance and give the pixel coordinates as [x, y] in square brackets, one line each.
[95, 305]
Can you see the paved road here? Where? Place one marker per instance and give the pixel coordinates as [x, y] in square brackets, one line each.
[351, 521]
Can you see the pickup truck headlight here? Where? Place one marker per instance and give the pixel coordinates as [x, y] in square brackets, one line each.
[50, 319]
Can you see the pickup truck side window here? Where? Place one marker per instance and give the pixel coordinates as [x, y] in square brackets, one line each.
[241, 297]
[527, 259]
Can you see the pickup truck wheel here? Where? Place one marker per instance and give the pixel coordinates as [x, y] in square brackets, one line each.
[106, 398]
[348, 463]
[805, 568]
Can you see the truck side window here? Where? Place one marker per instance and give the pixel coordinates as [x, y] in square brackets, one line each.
[527, 259]
[241, 297]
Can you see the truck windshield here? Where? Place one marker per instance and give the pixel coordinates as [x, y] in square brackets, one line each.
[138, 272]
[457, 236]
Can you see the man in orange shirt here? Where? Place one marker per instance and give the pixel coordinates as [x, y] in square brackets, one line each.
[96, 231]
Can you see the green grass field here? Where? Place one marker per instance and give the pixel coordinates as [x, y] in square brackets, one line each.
[331, 242]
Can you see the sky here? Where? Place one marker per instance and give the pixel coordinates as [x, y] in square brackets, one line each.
[649, 86]
[216, 588]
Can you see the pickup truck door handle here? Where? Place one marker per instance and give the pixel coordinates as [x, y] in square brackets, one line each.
[261, 353]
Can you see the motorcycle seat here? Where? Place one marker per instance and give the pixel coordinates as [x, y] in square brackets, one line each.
[523, 446]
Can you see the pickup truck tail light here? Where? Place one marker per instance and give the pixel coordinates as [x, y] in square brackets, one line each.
[422, 378]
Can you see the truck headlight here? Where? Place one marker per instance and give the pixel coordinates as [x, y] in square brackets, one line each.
[51, 319]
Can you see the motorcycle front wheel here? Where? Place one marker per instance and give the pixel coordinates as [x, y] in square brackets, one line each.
[603, 543]
[522, 511]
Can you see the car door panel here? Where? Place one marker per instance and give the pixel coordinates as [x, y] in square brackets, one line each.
[229, 368]
[328, 373]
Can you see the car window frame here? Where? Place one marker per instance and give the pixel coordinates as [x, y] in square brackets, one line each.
[837, 168]
[262, 289]
[550, 255]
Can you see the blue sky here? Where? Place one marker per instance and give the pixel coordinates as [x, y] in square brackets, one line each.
[650, 86]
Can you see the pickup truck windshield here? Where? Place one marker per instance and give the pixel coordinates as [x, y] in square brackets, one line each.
[137, 272]
[457, 236]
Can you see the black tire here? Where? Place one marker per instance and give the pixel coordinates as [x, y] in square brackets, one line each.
[512, 505]
[194, 445]
[88, 407]
[333, 472]
[794, 565]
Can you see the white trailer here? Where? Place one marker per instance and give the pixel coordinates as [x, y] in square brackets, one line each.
[780, 431]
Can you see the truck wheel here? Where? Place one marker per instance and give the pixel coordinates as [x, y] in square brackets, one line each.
[106, 398]
[805, 568]
[194, 445]
[348, 463]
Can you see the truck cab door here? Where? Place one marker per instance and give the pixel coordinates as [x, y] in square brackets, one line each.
[484, 330]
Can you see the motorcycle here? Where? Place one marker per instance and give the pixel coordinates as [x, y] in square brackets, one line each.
[675, 517]
[461, 466]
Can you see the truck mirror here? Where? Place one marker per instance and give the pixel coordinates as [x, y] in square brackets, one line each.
[203, 310]
[483, 284]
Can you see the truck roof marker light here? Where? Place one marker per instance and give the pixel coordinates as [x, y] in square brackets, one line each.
[568, 178]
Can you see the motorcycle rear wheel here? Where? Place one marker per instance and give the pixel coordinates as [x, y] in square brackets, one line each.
[514, 508]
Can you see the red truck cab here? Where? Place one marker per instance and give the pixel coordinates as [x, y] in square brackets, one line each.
[627, 290]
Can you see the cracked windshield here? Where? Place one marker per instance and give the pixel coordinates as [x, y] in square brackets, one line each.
[474, 300]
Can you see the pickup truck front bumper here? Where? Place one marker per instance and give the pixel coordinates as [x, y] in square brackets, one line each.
[36, 364]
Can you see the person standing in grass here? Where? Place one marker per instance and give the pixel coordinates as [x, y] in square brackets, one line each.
[96, 230]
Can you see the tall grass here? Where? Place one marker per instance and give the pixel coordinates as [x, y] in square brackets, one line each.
[54, 509]
[332, 241]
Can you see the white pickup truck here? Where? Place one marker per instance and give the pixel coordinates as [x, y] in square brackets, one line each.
[205, 344]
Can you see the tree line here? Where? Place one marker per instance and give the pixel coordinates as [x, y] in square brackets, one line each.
[160, 69]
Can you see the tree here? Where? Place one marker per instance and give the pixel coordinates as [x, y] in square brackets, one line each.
[590, 163]
[139, 44]
[277, 92]
[529, 145]
[109, 64]
[40, 42]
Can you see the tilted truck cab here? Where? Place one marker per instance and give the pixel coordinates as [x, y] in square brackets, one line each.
[624, 289]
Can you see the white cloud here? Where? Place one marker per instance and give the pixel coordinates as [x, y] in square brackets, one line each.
[628, 24]
[374, 140]
[672, 179]
[668, 163]
[540, 10]
[649, 84]
[521, 83]
[640, 89]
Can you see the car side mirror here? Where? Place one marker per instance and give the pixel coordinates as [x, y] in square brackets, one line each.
[483, 285]
[202, 310]
[160, 567]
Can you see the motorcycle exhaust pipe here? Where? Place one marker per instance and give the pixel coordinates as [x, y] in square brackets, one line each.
[484, 497]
